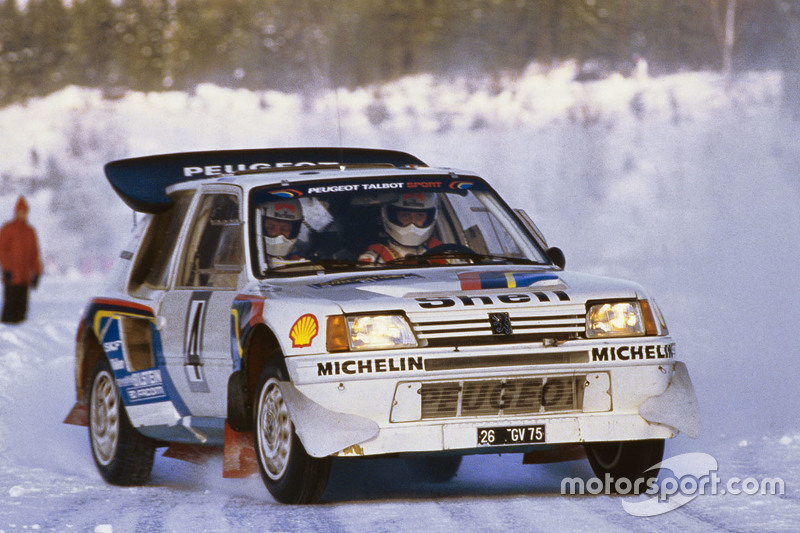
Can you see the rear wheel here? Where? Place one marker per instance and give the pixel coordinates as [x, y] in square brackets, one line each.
[122, 455]
[289, 473]
[625, 460]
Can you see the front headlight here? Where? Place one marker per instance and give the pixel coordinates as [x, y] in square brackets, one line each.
[615, 319]
[369, 332]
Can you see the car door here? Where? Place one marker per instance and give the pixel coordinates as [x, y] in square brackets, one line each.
[195, 313]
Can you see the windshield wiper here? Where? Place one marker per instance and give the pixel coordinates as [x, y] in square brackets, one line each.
[513, 260]
[473, 257]
[326, 264]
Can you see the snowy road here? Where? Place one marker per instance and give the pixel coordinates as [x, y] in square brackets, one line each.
[48, 481]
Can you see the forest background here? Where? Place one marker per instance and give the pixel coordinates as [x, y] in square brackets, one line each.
[305, 46]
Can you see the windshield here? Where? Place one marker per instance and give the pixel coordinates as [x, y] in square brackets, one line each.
[384, 223]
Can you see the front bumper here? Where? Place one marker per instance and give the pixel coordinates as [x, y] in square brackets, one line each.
[611, 402]
[463, 436]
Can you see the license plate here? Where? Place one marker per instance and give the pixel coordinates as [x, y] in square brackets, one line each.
[510, 435]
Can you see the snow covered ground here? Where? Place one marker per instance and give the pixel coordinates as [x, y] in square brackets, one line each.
[680, 183]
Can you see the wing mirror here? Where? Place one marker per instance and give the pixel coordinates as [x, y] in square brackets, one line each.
[557, 256]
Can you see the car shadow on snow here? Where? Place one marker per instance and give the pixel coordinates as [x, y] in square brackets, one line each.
[366, 479]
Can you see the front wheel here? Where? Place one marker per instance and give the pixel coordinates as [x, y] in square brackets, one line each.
[122, 455]
[625, 460]
[289, 473]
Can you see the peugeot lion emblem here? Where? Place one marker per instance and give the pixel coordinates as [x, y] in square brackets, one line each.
[500, 323]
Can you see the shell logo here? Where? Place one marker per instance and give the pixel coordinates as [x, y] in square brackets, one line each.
[303, 331]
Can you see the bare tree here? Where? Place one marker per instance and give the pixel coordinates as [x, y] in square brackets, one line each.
[790, 58]
[724, 25]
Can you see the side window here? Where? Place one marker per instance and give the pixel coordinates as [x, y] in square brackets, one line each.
[213, 255]
[152, 262]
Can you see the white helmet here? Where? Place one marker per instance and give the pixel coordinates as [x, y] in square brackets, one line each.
[289, 211]
[410, 234]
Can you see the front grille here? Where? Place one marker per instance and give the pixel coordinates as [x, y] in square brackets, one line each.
[473, 328]
[496, 397]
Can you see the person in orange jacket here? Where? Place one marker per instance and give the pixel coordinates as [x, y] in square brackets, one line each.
[20, 263]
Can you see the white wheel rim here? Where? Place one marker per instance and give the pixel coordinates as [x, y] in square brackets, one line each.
[273, 430]
[104, 418]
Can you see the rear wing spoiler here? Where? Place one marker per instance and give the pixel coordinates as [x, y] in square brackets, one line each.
[142, 182]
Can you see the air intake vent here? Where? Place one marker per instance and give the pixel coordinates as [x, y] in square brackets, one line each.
[474, 328]
[496, 397]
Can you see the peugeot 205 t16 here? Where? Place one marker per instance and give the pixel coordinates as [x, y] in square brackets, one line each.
[296, 305]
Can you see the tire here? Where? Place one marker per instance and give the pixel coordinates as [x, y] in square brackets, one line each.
[240, 412]
[289, 473]
[435, 469]
[627, 459]
[122, 455]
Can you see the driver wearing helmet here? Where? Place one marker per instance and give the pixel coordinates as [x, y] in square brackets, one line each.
[409, 223]
[281, 226]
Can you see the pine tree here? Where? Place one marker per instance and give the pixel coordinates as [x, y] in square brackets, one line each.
[10, 49]
[46, 26]
[94, 43]
[308, 45]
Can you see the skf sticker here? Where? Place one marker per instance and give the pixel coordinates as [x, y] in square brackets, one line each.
[303, 331]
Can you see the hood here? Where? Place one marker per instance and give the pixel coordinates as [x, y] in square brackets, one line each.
[418, 289]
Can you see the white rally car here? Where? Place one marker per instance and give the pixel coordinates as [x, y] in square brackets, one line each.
[295, 305]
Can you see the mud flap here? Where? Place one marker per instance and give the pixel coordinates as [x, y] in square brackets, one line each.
[239, 457]
[677, 406]
[322, 431]
[79, 415]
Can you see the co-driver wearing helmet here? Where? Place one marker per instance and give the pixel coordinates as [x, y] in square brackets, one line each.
[409, 223]
[281, 227]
